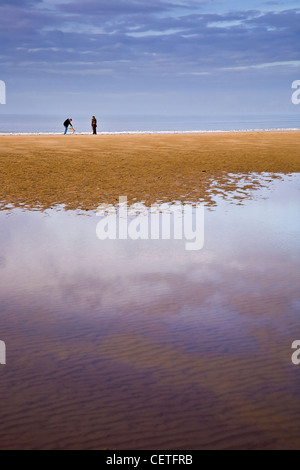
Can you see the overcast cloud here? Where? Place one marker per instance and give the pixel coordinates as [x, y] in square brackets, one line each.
[123, 47]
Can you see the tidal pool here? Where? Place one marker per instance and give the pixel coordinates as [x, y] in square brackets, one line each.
[142, 344]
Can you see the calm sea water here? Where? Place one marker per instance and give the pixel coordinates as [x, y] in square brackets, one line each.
[116, 124]
[140, 344]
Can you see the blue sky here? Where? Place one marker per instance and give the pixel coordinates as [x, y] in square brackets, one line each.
[141, 57]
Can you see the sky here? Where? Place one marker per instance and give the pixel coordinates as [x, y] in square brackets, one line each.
[134, 57]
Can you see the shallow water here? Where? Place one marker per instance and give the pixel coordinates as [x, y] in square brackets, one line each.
[140, 344]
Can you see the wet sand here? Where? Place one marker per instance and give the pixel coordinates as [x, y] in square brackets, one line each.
[80, 172]
[146, 347]
[142, 345]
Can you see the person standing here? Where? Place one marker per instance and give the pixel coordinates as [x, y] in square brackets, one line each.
[94, 125]
[67, 123]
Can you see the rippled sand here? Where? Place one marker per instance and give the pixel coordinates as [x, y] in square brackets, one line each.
[143, 345]
[80, 172]
[147, 377]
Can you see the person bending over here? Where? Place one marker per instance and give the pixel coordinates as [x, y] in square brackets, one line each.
[68, 123]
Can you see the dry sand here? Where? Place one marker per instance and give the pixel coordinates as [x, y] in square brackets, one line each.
[80, 172]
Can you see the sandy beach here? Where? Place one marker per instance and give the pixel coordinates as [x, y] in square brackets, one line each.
[141, 344]
[80, 172]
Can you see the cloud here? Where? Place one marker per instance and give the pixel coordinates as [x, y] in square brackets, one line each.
[116, 8]
[140, 41]
[291, 63]
[20, 3]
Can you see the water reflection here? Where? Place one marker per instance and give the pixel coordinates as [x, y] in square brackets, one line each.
[141, 344]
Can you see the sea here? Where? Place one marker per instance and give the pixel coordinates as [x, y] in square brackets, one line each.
[133, 124]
